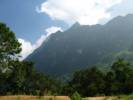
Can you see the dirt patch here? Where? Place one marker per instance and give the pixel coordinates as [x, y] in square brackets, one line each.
[101, 98]
[23, 97]
[34, 98]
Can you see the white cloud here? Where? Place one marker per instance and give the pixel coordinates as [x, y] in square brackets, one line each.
[48, 32]
[82, 11]
[28, 47]
[53, 29]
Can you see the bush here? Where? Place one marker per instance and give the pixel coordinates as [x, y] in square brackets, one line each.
[76, 96]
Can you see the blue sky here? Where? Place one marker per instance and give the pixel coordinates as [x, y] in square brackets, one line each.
[22, 18]
[34, 20]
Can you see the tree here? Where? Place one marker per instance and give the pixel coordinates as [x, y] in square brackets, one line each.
[22, 73]
[9, 46]
[88, 82]
[20, 77]
[120, 79]
[109, 79]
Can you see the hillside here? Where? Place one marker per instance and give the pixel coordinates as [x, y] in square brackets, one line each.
[83, 45]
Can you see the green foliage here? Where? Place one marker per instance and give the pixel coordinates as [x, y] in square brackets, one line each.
[93, 82]
[88, 82]
[129, 97]
[9, 46]
[20, 77]
[76, 96]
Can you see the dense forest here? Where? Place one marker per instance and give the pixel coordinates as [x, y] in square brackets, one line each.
[20, 77]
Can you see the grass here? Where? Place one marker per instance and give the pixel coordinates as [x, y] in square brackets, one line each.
[130, 97]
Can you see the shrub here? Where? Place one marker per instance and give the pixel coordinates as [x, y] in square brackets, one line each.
[76, 96]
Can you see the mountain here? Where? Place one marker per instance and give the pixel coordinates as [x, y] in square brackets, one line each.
[83, 45]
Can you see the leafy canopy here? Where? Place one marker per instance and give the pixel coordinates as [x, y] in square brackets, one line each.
[9, 46]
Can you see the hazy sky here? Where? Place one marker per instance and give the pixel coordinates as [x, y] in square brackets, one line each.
[34, 20]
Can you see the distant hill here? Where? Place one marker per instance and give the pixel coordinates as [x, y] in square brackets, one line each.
[83, 45]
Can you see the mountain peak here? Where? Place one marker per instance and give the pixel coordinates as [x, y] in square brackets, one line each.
[120, 20]
[76, 25]
[84, 45]
[129, 15]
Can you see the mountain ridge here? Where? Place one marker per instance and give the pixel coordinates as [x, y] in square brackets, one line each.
[83, 45]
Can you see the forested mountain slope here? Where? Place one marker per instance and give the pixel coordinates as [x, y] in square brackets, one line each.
[83, 45]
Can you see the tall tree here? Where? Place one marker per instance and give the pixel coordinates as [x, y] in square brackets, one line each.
[123, 80]
[9, 46]
[88, 82]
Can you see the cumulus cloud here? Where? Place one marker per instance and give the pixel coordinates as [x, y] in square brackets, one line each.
[28, 47]
[83, 11]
